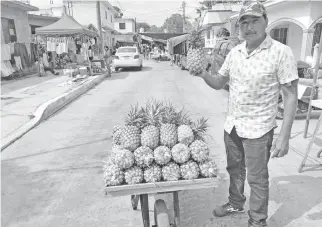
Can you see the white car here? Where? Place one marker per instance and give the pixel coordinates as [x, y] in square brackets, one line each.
[127, 57]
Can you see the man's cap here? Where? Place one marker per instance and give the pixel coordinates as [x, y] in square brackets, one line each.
[252, 8]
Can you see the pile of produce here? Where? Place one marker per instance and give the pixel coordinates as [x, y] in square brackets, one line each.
[158, 143]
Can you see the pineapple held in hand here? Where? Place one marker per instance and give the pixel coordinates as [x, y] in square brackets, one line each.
[130, 137]
[143, 156]
[152, 174]
[113, 175]
[152, 115]
[196, 60]
[124, 159]
[171, 172]
[208, 168]
[190, 170]
[133, 175]
[162, 155]
[168, 130]
[180, 153]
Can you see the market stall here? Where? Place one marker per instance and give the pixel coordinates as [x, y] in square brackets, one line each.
[178, 47]
[66, 44]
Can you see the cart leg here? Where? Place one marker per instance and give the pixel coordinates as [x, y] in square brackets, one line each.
[134, 201]
[144, 200]
[176, 209]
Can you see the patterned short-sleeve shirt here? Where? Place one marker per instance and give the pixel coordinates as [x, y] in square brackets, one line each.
[254, 86]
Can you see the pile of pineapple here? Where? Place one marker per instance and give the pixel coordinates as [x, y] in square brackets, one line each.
[196, 59]
[158, 143]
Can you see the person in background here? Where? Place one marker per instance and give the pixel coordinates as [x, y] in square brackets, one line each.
[107, 58]
[257, 70]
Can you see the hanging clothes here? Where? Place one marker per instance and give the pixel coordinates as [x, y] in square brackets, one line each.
[6, 69]
[33, 53]
[18, 62]
[51, 46]
[5, 52]
[45, 60]
[12, 48]
[21, 51]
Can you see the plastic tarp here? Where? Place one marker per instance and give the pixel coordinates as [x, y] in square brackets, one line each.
[67, 25]
[172, 42]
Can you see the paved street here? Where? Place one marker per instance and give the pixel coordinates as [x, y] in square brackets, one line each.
[53, 175]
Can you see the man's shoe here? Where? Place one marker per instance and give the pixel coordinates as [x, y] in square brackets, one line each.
[227, 209]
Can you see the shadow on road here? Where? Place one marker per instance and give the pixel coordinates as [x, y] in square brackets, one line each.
[297, 195]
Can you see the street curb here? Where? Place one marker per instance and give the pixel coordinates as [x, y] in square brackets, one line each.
[49, 108]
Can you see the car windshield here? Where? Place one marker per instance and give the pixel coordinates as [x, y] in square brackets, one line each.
[126, 50]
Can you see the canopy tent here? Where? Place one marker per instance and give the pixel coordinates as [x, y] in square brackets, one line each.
[67, 25]
[173, 42]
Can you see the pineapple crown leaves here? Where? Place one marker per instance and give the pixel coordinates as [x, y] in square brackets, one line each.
[152, 112]
[183, 117]
[169, 113]
[200, 127]
[134, 117]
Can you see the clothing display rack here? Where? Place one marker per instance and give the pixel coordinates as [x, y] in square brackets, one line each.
[317, 104]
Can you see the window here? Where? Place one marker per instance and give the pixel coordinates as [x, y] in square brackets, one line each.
[279, 34]
[121, 25]
[9, 30]
[51, 1]
[106, 15]
[111, 19]
[316, 35]
[208, 34]
[126, 50]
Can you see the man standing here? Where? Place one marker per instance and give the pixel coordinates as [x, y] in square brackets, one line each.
[256, 70]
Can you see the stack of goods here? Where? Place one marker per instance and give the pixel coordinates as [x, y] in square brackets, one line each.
[196, 60]
[158, 143]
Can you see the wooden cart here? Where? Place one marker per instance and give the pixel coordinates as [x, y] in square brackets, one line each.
[141, 192]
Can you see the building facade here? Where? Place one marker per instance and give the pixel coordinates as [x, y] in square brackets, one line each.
[14, 22]
[125, 25]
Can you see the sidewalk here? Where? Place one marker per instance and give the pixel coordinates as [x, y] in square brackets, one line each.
[22, 107]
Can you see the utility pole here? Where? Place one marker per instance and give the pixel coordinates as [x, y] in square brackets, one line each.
[99, 23]
[184, 15]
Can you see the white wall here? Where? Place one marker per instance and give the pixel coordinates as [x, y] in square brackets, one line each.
[85, 13]
[294, 40]
[20, 18]
[129, 26]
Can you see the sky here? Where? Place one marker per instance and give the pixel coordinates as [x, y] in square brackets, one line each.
[154, 12]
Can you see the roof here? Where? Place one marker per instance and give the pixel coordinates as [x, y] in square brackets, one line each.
[43, 17]
[20, 5]
[67, 25]
[163, 36]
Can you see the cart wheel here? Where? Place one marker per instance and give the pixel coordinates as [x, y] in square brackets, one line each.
[161, 217]
[319, 154]
[135, 201]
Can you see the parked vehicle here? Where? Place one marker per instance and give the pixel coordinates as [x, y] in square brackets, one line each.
[127, 57]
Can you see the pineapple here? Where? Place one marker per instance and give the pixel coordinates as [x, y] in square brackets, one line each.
[185, 133]
[190, 170]
[124, 159]
[168, 130]
[171, 172]
[199, 151]
[134, 175]
[143, 156]
[180, 153]
[113, 175]
[162, 155]
[130, 138]
[196, 59]
[208, 168]
[117, 133]
[115, 150]
[152, 174]
[199, 128]
[150, 135]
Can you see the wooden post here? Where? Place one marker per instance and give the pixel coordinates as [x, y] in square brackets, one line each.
[144, 200]
[176, 207]
[313, 87]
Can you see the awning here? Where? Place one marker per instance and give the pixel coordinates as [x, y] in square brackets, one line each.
[179, 39]
[67, 25]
